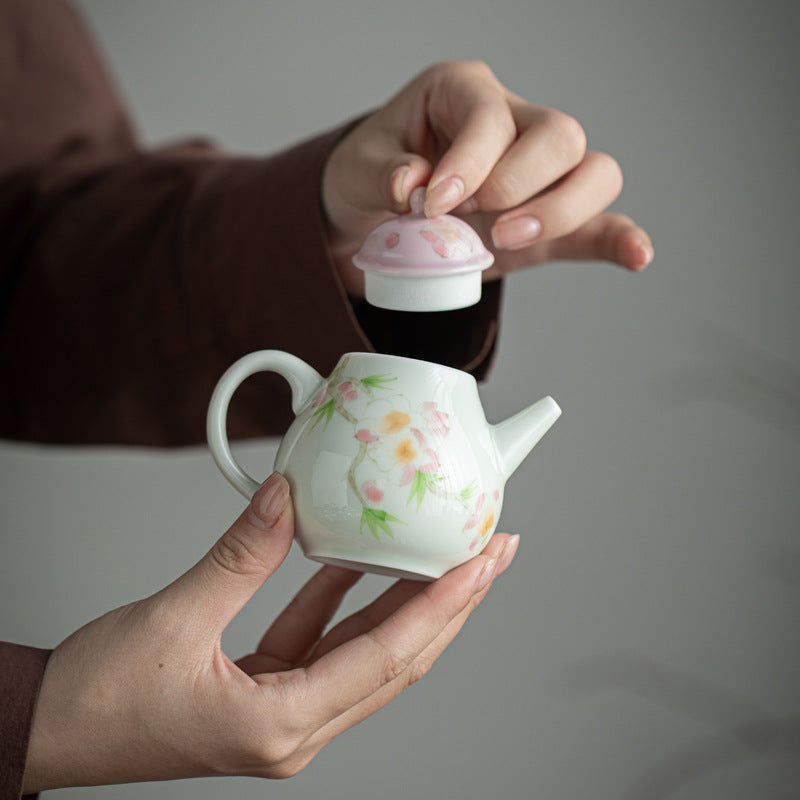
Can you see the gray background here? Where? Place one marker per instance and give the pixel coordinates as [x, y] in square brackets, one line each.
[646, 642]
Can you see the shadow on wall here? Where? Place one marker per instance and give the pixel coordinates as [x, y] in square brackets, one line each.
[744, 731]
[736, 372]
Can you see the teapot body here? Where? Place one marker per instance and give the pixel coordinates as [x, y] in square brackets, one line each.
[393, 468]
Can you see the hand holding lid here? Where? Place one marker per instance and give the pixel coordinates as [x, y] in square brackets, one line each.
[412, 263]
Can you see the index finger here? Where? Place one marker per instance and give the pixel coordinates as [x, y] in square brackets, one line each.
[475, 116]
[357, 669]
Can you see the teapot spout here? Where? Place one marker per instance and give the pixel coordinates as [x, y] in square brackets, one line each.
[518, 435]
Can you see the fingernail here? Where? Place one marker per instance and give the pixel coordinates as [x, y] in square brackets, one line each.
[397, 184]
[486, 575]
[507, 554]
[515, 233]
[269, 502]
[444, 196]
[645, 255]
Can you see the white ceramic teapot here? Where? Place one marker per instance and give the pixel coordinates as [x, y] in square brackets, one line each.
[392, 464]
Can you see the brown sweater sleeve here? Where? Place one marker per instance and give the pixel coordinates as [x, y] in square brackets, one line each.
[136, 282]
[21, 671]
[130, 279]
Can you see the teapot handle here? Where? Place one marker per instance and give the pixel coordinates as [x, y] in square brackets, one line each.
[303, 381]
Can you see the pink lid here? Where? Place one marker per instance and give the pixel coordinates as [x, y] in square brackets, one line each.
[414, 246]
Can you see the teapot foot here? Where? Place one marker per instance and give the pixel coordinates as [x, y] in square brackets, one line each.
[375, 569]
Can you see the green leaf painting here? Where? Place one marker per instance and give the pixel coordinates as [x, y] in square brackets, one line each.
[376, 519]
[378, 381]
[469, 492]
[325, 412]
[419, 486]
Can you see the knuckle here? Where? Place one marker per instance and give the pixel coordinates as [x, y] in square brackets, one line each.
[158, 618]
[569, 135]
[279, 746]
[480, 69]
[611, 171]
[234, 553]
[269, 755]
[502, 119]
[250, 749]
[266, 734]
[471, 67]
[442, 70]
[501, 191]
[418, 669]
[392, 668]
[293, 765]
[392, 663]
[279, 754]
[495, 120]
[282, 772]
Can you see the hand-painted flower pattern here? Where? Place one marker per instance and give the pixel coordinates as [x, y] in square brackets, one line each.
[481, 522]
[445, 239]
[339, 392]
[371, 491]
[401, 443]
[347, 391]
[436, 420]
[398, 446]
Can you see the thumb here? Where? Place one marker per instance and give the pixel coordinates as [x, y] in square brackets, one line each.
[396, 177]
[242, 559]
[369, 176]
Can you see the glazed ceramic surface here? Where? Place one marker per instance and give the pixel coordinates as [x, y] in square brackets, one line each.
[412, 263]
[392, 464]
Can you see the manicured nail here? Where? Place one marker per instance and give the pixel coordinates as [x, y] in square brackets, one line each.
[644, 255]
[515, 233]
[444, 196]
[486, 575]
[269, 502]
[507, 554]
[397, 184]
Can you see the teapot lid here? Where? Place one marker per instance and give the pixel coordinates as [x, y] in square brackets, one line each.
[412, 263]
